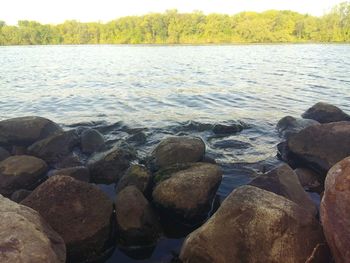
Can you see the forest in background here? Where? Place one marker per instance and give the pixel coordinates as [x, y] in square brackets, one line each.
[173, 27]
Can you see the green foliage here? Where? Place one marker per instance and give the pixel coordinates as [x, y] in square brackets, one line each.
[173, 27]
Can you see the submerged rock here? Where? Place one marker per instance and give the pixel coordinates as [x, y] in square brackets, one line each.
[254, 225]
[80, 173]
[137, 224]
[54, 148]
[20, 172]
[108, 167]
[325, 113]
[91, 141]
[283, 181]
[26, 130]
[78, 211]
[228, 128]
[335, 210]
[175, 150]
[136, 175]
[188, 194]
[26, 237]
[319, 147]
[289, 125]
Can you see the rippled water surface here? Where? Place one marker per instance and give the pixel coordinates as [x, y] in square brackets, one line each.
[162, 90]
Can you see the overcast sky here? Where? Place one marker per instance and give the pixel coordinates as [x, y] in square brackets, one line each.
[57, 11]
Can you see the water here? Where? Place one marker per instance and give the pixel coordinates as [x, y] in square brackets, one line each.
[163, 90]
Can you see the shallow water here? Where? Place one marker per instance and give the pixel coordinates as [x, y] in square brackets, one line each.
[163, 90]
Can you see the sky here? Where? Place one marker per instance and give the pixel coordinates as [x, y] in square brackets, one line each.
[57, 11]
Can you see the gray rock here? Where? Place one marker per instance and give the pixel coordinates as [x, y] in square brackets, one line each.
[80, 173]
[20, 172]
[253, 225]
[136, 175]
[289, 125]
[3, 154]
[283, 181]
[308, 178]
[325, 113]
[188, 194]
[19, 195]
[26, 237]
[26, 130]
[78, 211]
[91, 141]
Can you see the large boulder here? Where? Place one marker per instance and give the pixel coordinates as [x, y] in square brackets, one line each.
[26, 130]
[54, 148]
[253, 225]
[26, 237]
[91, 141]
[174, 150]
[325, 113]
[188, 193]
[283, 181]
[108, 167]
[335, 210]
[80, 173]
[78, 211]
[137, 175]
[137, 224]
[289, 125]
[20, 172]
[319, 147]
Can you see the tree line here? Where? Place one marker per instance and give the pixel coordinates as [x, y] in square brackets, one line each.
[173, 27]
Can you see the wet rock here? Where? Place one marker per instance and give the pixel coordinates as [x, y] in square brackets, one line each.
[3, 154]
[136, 175]
[20, 172]
[289, 125]
[78, 211]
[188, 194]
[139, 138]
[108, 167]
[137, 224]
[26, 130]
[54, 148]
[325, 113]
[18, 150]
[80, 173]
[308, 178]
[335, 210]
[19, 195]
[254, 225]
[228, 128]
[234, 144]
[173, 150]
[319, 147]
[283, 181]
[92, 141]
[71, 160]
[26, 237]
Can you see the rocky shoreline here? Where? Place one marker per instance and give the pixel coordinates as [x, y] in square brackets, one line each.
[54, 211]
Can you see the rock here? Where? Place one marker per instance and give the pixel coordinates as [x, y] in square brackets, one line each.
[227, 128]
[289, 125]
[137, 223]
[235, 144]
[138, 138]
[71, 160]
[254, 225]
[108, 167]
[20, 172]
[18, 150]
[188, 194]
[325, 113]
[283, 181]
[136, 175]
[92, 141]
[174, 150]
[19, 195]
[335, 210]
[319, 147]
[54, 148]
[307, 178]
[26, 130]
[78, 211]
[26, 237]
[3, 154]
[80, 173]
[320, 254]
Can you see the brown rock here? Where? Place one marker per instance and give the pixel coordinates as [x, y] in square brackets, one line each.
[283, 181]
[308, 178]
[174, 150]
[335, 210]
[80, 173]
[253, 225]
[137, 175]
[188, 193]
[26, 237]
[78, 211]
[19, 195]
[20, 172]
[325, 113]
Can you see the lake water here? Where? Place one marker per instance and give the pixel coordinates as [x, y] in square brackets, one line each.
[163, 90]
